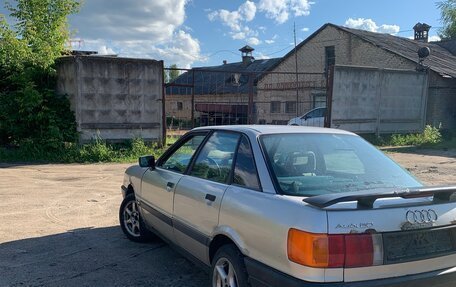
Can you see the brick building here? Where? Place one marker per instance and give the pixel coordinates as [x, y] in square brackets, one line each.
[337, 45]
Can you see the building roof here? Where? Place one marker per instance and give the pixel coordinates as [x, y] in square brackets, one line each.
[450, 45]
[441, 61]
[224, 79]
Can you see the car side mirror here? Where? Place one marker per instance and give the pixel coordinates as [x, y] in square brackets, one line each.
[147, 161]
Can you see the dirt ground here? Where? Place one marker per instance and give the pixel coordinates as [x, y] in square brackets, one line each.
[59, 226]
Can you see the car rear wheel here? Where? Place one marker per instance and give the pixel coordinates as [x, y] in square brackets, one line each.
[131, 221]
[228, 269]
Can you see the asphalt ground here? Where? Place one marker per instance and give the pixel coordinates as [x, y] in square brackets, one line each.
[59, 226]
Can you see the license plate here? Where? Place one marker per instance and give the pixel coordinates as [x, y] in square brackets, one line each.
[418, 244]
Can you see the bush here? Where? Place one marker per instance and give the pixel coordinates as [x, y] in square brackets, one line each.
[430, 135]
[96, 151]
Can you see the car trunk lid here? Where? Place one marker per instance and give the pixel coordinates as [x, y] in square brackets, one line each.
[408, 226]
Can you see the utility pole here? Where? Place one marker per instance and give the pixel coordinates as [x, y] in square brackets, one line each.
[296, 66]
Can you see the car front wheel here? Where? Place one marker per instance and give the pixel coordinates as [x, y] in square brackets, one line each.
[228, 269]
[131, 221]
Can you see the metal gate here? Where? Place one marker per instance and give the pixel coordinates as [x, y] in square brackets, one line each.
[214, 96]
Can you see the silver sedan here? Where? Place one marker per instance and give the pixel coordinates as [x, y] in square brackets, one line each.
[292, 206]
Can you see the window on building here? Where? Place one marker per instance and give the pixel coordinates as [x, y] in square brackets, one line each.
[319, 100]
[330, 57]
[290, 107]
[180, 106]
[275, 107]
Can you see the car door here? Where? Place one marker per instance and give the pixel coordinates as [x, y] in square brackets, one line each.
[199, 194]
[320, 118]
[158, 185]
[306, 120]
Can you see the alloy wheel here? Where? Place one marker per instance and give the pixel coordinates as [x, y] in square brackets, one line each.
[131, 219]
[224, 274]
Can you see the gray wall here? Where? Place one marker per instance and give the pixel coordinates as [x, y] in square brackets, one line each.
[114, 98]
[371, 100]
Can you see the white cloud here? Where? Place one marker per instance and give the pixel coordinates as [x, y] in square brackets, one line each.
[103, 50]
[370, 25]
[142, 28]
[248, 10]
[230, 19]
[279, 10]
[253, 41]
[245, 33]
[389, 29]
[305, 29]
[234, 19]
[238, 35]
[261, 56]
[272, 40]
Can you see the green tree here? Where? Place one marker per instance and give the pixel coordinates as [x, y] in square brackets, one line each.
[31, 114]
[448, 18]
[173, 74]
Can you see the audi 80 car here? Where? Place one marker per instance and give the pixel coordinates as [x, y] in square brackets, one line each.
[292, 206]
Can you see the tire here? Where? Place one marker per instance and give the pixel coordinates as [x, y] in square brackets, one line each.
[228, 262]
[131, 221]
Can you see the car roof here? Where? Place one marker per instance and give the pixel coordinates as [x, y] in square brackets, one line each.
[275, 129]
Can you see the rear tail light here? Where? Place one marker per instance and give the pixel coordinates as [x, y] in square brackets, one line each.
[335, 251]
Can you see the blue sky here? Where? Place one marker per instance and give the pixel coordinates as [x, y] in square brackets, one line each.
[206, 32]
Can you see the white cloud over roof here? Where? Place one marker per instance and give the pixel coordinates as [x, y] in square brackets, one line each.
[370, 25]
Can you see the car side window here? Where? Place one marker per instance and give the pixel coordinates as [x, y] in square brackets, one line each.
[245, 172]
[320, 112]
[180, 159]
[310, 115]
[215, 160]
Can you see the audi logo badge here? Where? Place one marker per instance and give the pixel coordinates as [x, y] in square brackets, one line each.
[421, 216]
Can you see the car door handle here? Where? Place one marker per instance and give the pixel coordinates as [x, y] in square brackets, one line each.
[210, 197]
[169, 186]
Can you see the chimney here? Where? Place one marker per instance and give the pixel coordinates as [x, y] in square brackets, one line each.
[247, 57]
[225, 62]
[421, 32]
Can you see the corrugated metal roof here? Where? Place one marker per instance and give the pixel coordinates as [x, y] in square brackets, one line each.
[440, 60]
[450, 45]
[221, 79]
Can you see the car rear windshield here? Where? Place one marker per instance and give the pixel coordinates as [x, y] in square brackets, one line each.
[309, 164]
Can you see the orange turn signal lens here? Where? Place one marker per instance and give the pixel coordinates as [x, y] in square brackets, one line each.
[308, 249]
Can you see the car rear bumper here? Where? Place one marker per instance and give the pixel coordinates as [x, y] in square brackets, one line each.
[261, 275]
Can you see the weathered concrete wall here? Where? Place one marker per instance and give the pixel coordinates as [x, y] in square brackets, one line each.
[441, 108]
[114, 98]
[371, 100]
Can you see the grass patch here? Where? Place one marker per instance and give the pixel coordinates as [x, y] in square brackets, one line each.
[431, 137]
[96, 151]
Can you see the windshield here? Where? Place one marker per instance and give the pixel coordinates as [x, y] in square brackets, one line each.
[316, 164]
